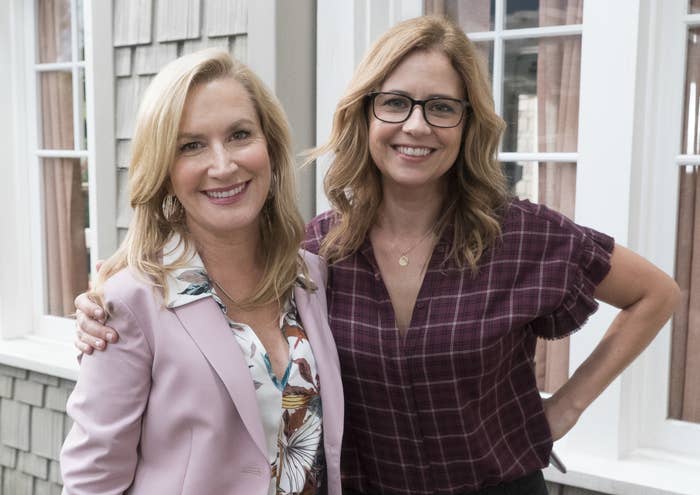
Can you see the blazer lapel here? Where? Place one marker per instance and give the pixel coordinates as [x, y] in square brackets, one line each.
[314, 318]
[206, 325]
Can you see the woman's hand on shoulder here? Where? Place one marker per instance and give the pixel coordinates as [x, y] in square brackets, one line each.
[91, 332]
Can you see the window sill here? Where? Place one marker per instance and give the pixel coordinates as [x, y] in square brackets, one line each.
[647, 471]
[43, 355]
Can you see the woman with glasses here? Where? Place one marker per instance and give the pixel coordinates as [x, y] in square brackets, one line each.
[440, 282]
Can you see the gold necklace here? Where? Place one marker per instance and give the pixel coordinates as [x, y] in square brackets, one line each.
[223, 291]
[403, 259]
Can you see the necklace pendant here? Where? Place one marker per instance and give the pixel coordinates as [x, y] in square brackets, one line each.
[403, 260]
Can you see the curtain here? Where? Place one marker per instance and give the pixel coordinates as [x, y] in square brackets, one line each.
[684, 386]
[558, 77]
[684, 396]
[64, 208]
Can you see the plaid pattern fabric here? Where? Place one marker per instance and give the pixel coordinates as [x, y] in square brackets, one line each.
[454, 407]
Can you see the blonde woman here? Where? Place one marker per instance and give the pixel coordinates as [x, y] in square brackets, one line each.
[440, 282]
[226, 377]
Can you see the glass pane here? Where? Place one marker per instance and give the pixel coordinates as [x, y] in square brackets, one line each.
[64, 191]
[53, 31]
[694, 6]
[81, 29]
[82, 132]
[472, 15]
[552, 184]
[56, 92]
[485, 50]
[691, 125]
[538, 13]
[541, 94]
[684, 386]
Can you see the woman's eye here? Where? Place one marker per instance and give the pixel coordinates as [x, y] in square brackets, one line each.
[190, 147]
[442, 107]
[395, 103]
[239, 135]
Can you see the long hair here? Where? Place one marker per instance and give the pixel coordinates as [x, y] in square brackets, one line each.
[157, 214]
[476, 185]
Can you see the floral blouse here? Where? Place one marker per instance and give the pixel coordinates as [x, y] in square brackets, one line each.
[290, 406]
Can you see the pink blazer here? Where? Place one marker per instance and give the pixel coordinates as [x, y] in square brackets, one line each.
[171, 408]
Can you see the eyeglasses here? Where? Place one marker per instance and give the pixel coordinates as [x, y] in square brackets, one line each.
[395, 108]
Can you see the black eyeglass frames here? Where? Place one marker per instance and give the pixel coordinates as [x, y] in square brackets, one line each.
[395, 108]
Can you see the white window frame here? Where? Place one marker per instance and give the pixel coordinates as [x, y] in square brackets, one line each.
[629, 125]
[28, 337]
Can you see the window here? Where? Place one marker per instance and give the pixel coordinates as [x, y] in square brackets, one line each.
[63, 200]
[684, 387]
[533, 51]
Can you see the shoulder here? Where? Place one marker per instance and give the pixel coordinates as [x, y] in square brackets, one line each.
[539, 234]
[317, 228]
[533, 221]
[130, 289]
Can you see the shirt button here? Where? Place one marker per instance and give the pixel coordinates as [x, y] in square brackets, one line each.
[420, 305]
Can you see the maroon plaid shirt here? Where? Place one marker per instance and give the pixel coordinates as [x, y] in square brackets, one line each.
[454, 407]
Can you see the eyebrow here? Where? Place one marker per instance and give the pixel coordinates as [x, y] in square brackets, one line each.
[231, 127]
[434, 95]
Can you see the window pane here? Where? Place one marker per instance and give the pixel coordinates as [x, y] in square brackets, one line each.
[684, 395]
[694, 6]
[691, 128]
[485, 50]
[54, 31]
[81, 29]
[472, 15]
[64, 191]
[537, 13]
[541, 94]
[553, 184]
[82, 131]
[56, 91]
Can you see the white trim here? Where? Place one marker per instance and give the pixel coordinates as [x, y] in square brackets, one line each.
[58, 66]
[517, 34]
[692, 20]
[498, 57]
[61, 154]
[688, 160]
[102, 168]
[43, 355]
[538, 157]
[647, 472]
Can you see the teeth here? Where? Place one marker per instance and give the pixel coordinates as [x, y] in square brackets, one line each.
[406, 150]
[226, 194]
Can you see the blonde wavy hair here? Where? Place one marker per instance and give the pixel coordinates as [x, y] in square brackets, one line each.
[477, 189]
[157, 214]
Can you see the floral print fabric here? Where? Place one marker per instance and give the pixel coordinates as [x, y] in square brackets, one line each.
[290, 405]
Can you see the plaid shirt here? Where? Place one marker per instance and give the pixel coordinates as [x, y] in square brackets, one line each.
[453, 406]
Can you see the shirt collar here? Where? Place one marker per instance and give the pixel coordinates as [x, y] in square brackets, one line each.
[188, 283]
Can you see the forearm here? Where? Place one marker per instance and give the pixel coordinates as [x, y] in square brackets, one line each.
[629, 334]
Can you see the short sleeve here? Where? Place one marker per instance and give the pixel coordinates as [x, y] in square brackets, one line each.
[588, 265]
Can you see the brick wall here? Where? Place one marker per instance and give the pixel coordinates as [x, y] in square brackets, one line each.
[33, 424]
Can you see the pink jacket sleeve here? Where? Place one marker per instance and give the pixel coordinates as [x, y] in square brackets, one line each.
[100, 452]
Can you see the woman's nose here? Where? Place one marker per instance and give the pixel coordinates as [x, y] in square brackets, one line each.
[222, 161]
[416, 121]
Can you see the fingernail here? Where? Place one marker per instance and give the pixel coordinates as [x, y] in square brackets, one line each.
[110, 336]
[99, 343]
